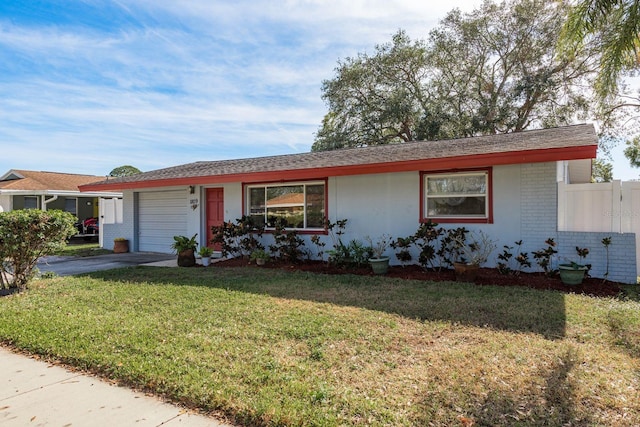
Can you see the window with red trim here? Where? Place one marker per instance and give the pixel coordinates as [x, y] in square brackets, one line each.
[460, 196]
[301, 204]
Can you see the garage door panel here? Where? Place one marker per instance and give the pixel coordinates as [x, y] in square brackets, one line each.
[161, 215]
[162, 219]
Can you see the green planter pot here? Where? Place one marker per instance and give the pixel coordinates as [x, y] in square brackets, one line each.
[572, 274]
[379, 265]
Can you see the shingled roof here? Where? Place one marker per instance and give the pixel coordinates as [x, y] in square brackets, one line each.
[562, 143]
[25, 180]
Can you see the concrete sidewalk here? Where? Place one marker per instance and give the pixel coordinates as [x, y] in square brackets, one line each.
[71, 265]
[36, 393]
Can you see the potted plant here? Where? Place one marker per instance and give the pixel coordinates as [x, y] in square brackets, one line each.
[120, 245]
[185, 248]
[379, 262]
[205, 253]
[260, 256]
[573, 273]
[473, 250]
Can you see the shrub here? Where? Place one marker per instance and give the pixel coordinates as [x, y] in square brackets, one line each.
[426, 238]
[25, 236]
[403, 247]
[241, 238]
[287, 244]
[451, 246]
[544, 257]
[521, 259]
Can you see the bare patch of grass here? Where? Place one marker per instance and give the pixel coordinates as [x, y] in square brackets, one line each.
[268, 347]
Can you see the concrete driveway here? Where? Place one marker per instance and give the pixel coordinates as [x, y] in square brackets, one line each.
[69, 265]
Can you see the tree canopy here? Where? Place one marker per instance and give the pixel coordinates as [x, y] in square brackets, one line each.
[614, 25]
[494, 70]
[125, 170]
[632, 152]
[601, 171]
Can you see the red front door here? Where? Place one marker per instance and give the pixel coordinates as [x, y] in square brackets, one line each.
[215, 212]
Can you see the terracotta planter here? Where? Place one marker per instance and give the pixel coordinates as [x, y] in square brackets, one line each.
[379, 265]
[120, 246]
[186, 258]
[465, 272]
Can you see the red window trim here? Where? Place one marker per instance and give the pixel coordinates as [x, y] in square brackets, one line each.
[303, 231]
[449, 220]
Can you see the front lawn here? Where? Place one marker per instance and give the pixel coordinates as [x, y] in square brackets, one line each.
[82, 250]
[270, 347]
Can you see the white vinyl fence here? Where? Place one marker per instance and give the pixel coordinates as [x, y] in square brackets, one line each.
[610, 207]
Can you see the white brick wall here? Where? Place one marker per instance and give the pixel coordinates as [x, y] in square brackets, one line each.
[622, 266]
[539, 207]
[538, 204]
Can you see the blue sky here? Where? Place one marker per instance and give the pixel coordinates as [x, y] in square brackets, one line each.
[86, 86]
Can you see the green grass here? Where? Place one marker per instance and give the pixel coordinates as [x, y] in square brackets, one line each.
[269, 347]
[83, 250]
[631, 292]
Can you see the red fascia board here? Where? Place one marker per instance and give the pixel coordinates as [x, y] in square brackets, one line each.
[449, 163]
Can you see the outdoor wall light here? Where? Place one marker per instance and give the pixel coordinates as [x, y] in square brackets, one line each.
[192, 189]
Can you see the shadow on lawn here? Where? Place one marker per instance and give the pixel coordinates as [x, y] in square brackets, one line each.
[551, 403]
[507, 308]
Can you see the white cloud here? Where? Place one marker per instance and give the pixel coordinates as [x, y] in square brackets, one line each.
[161, 82]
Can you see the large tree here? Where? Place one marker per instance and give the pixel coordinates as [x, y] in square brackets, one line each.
[614, 25]
[490, 71]
[125, 170]
[376, 99]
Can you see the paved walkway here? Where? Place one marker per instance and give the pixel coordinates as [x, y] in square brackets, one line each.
[36, 393]
[70, 265]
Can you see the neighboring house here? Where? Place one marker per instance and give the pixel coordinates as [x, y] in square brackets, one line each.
[23, 189]
[506, 185]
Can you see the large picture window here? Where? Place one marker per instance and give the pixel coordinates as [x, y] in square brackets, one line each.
[301, 205]
[457, 196]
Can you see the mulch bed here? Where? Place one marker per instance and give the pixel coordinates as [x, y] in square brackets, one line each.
[486, 276]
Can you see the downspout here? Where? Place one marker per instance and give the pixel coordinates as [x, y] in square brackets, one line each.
[45, 202]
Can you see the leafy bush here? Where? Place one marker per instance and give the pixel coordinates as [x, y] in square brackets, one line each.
[521, 259]
[426, 238]
[544, 257]
[241, 238]
[403, 247]
[287, 244]
[25, 236]
[451, 246]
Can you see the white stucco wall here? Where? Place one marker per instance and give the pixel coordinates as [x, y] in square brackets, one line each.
[376, 204]
[390, 203]
[524, 208]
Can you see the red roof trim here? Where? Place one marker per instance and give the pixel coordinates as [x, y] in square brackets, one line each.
[448, 163]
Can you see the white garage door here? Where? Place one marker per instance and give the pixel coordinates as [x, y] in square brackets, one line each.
[161, 215]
